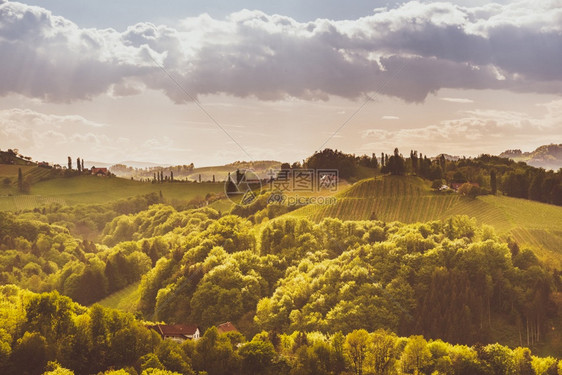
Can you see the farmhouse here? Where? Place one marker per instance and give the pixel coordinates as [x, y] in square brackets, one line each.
[177, 332]
[226, 327]
[100, 171]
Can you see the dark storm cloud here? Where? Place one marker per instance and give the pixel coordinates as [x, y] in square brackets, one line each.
[407, 52]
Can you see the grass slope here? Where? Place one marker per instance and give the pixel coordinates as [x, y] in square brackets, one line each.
[125, 299]
[88, 189]
[410, 199]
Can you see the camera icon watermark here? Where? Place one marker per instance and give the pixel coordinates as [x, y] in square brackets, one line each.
[242, 187]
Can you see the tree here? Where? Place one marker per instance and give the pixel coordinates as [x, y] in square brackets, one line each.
[442, 162]
[535, 189]
[214, 353]
[338, 357]
[78, 165]
[382, 351]
[395, 165]
[26, 186]
[173, 358]
[493, 182]
[356, 344]
[82, 166]
[69, 163]
[20, 181]
[375, 162]
[436, 184]
[468, 190]
[151, 361]
[55, 368]
[414, 160]
[30, 354]
[416, 355]
[257, 357]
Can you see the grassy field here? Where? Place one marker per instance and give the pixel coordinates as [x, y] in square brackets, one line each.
[410, 199]
[88, 189]
[125, 299]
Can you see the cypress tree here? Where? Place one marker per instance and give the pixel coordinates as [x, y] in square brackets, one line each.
[20, 180]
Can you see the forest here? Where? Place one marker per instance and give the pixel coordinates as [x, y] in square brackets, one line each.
[332, 297]
[56, 336]
[493, 174]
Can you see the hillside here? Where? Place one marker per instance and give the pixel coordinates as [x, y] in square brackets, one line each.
[546, 156]
[13, 157]
[86, 189]
[189, 172]
[410, 199]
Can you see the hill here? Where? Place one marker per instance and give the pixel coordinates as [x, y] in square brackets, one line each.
[410, 199]
[190, 173]
[87, 189]
[13, 157]
[547, 156]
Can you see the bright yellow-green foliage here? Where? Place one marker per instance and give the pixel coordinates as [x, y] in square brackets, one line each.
[409, 199]
[90, 189]
[125, 299]
[49, 334]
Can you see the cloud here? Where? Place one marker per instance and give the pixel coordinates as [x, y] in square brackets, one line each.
[406, 52]
[458, 100]
[490, 130]
[390, 118]
[51, 135]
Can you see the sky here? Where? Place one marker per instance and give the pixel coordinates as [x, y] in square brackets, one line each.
[216, 81]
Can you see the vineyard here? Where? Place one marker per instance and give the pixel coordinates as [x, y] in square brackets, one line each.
[35, 174]
[410, 199]
[391, 198]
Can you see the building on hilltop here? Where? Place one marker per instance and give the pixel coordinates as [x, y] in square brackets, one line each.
[99, 171]
[177, 332]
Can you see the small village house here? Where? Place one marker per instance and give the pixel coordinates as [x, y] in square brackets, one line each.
[177, 332]
[99, 171]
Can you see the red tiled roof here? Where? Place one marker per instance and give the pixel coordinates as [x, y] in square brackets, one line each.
[176, 330]
[99, 170]
[226, 327]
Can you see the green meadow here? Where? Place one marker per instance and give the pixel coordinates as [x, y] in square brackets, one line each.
[87, 189]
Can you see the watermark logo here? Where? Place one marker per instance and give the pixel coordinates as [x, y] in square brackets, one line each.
[298, 200]
[286, 184]
[242, 187]
[303, 180]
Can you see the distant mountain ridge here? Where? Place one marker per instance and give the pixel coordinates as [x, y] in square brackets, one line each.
[128, 163]
[546, 156]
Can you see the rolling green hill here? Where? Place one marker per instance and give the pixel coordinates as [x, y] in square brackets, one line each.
[410, 199]
[87, 189]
